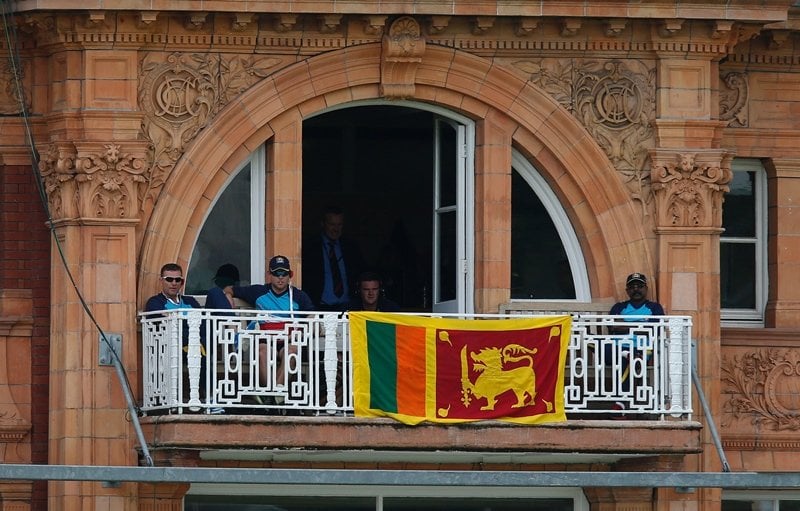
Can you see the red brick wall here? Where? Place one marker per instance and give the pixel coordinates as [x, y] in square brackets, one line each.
[25, 264]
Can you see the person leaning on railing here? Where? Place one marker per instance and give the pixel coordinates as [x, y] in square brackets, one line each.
[636, 306]
[278, 295]
[171, 298]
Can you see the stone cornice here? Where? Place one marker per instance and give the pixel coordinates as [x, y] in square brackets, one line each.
[769, 10]
[511, 31]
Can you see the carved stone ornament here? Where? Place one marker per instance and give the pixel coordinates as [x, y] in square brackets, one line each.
[403, 48]
[57, 168]
[108, 181]
[180, 95]
[10, 91]
[689, 187]
[762, 386]
[615, 102]
[733, 97]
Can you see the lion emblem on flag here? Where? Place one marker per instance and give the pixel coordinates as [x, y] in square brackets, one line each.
[496, 379]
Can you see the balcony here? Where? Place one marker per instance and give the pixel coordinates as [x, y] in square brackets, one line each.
[308, 421]
[319, 370]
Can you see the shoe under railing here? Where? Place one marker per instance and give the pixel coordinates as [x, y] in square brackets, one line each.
[204, 361]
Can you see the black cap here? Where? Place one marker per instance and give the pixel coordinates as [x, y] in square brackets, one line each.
[227, 275]
[279, 262]
[636, 277]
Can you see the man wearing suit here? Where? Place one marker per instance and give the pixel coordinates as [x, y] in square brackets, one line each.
[331, 264]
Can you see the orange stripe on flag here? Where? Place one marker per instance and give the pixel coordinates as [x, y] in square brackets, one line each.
[410, 346]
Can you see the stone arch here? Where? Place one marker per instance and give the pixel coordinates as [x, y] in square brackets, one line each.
[580, 173]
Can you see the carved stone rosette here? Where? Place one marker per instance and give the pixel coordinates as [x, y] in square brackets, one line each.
[94, 180]
[615, 101]
[179, 96]
[403, 48]
[762, 385]
[689, 186]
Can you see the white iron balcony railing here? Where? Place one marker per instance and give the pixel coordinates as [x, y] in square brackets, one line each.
[200, 360]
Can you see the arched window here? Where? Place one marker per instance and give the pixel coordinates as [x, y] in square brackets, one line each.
[233, 231]
[546, 260]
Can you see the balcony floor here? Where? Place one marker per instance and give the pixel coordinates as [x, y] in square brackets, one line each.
[348, 439]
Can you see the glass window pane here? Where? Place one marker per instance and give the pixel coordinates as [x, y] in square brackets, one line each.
[476, 504]
[738, 275]
[447, 256]
[224, 238]
[539, 265]
[447, 165]
[739, 208]
[790, 505]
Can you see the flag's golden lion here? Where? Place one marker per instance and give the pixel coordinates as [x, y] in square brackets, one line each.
[494, 379]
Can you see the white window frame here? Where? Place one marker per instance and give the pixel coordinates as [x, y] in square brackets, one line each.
[771, 496]
[752, 317]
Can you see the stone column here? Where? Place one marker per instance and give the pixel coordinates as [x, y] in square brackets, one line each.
[783, 303]
[93, 194]
[284, 205]
[689, 185]
[492, 212]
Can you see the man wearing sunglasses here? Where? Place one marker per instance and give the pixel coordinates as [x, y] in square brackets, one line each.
[283, 298]
[170, 298]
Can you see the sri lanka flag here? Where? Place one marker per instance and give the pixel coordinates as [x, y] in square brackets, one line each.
[417, 369]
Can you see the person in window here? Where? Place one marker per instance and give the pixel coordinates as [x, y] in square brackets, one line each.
[279, 295]
[226, 277]
[331, 263]
[170, 298]
[636, 307]
[370, 295]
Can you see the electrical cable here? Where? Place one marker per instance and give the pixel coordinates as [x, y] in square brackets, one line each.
[14, 59]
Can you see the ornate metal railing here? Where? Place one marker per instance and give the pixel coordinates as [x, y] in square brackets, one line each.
[201, 360]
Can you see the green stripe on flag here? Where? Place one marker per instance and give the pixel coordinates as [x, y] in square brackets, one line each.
[382, 353]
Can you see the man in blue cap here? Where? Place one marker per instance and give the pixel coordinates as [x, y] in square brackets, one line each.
[636, 307]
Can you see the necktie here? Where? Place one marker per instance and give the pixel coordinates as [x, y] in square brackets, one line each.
[336, 273]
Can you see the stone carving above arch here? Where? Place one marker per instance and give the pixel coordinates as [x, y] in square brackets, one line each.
[733, 97]
[615, 101]
[402, 51]
[179, 95]
[689, 186]
[762, 385]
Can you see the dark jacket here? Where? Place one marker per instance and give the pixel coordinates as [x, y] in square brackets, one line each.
[384, 305]
[314, 266]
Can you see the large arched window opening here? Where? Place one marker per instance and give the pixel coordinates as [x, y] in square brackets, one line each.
[546, 259]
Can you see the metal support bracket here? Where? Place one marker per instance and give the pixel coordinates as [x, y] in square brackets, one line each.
[106, 356]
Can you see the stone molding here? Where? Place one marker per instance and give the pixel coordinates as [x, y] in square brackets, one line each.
[689, 186]
[759, 386]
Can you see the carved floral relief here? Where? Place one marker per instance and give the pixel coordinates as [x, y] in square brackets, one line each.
[763, 386]
[615, 101]
[689, 187]
[108, 180]
[181, 94]
[12, 94]
[57, 168]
